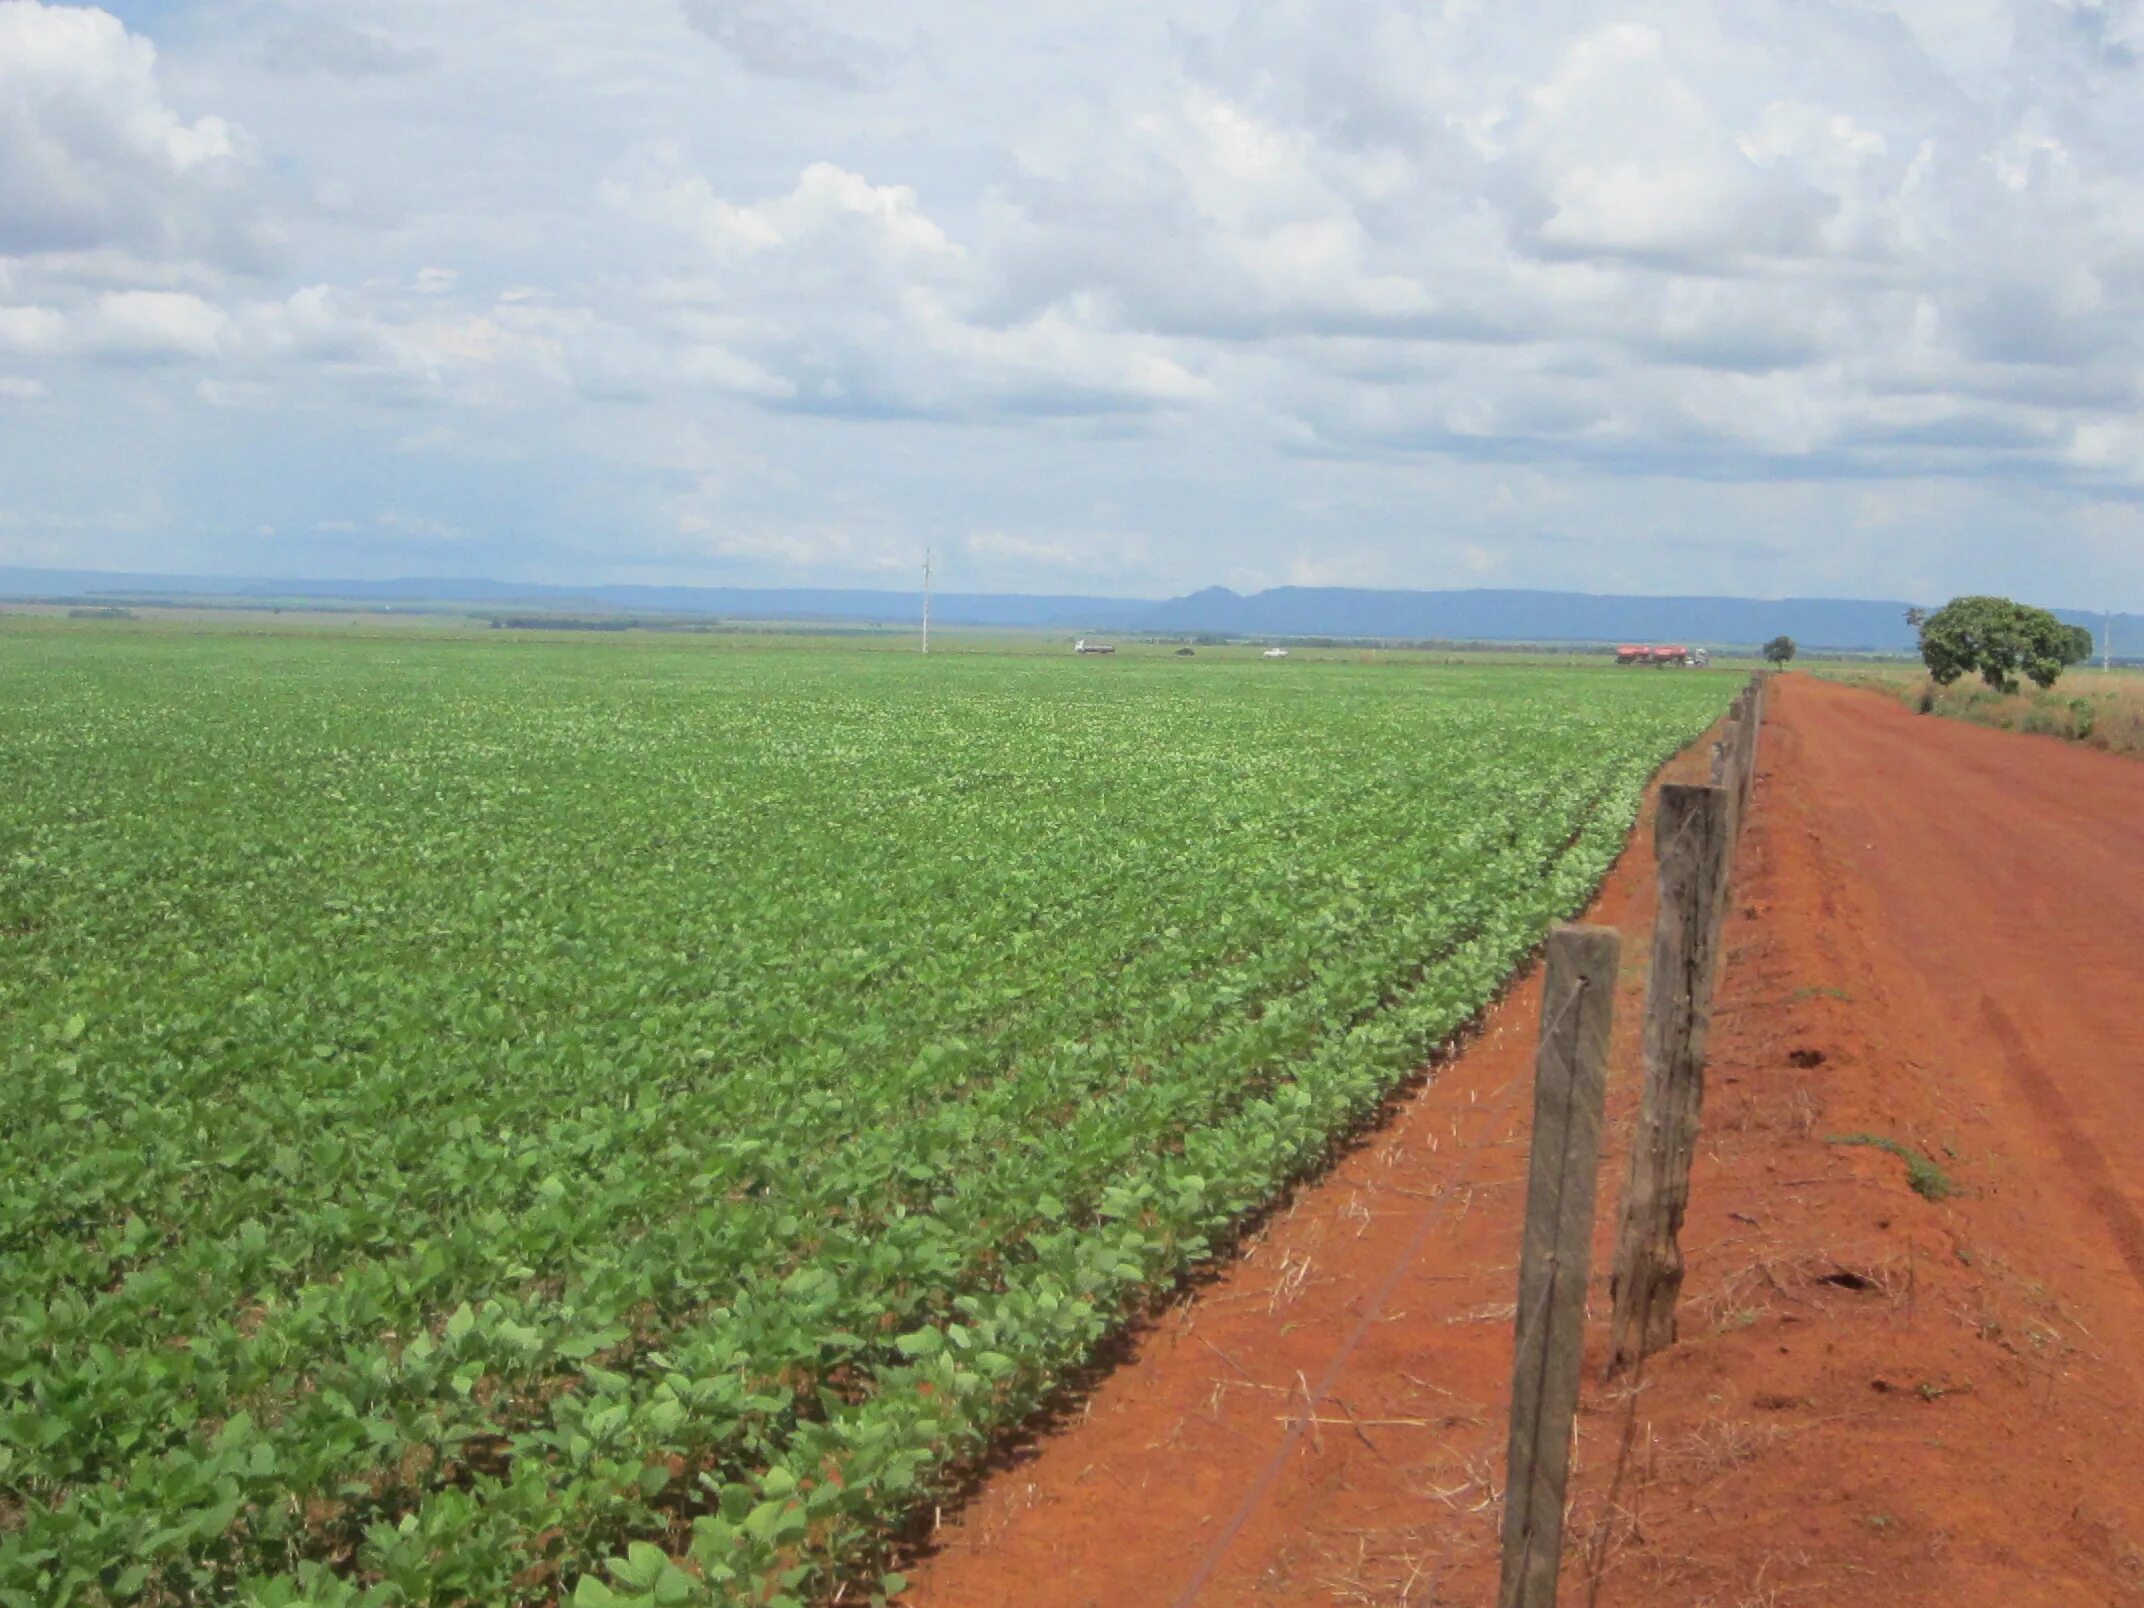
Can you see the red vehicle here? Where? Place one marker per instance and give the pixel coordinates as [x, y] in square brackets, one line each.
[1665, 654]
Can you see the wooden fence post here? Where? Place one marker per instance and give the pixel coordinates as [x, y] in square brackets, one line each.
[1555, 1260]
[1752, 720]
[1691, 833]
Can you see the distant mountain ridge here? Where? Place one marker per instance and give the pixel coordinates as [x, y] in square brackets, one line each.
[1287, 611]
[1521, 616]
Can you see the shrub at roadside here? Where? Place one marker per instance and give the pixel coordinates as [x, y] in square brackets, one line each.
[2108, 714]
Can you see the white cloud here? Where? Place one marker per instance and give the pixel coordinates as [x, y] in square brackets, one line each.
[834, 229]
[91, 156]
[796, 549]
[31, 330]
[324, 44]
[783, 40]
[156, 324]
[423, 529]
[1621, 156]
[2114, 446]
[234, 393]
[1096, 555]
[1389, 291]
[845, 296]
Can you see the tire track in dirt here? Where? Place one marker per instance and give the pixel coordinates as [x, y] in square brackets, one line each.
[2102, 1186]
[2002, 879]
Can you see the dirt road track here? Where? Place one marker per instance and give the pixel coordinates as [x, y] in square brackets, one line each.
[2007, 877]
[1938, 940]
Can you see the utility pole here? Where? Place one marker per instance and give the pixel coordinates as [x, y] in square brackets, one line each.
[2106, 645]
[926, 600]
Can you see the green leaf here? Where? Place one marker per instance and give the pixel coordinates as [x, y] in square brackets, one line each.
[920, 1343]
[699, 1028]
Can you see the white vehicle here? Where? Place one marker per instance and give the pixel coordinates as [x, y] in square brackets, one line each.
[1274, 653]
[1084, 646]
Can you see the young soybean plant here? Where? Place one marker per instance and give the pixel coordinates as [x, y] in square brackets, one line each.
[632, 1119]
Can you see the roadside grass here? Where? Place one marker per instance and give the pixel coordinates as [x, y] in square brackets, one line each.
[1923, 1176]
[2100, 709]
[1819, 991]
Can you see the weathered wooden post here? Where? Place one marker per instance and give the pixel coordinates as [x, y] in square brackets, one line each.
[1692, 834]
[1724, 750]
[1752, 721]
[1555, 1260]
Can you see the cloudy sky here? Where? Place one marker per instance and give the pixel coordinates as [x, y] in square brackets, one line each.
[1816, 297]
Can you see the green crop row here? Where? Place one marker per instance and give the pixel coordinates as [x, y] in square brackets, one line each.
[634, 1120]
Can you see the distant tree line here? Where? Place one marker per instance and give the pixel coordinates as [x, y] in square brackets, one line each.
[559, 622]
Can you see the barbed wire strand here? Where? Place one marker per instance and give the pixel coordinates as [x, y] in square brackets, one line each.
[1299, 1424]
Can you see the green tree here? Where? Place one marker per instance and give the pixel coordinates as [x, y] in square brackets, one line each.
[1779, 650]
[2000, 639]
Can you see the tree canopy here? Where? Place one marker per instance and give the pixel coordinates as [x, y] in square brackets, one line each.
[1779, 650]
[2001, 640]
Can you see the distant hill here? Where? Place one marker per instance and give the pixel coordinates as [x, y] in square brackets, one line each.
[1514, 616]
[748, 603]
[1289, 611]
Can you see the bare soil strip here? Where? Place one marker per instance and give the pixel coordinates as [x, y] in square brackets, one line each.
[1938, 942]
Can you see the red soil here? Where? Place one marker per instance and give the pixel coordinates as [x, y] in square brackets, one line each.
[1936, 939]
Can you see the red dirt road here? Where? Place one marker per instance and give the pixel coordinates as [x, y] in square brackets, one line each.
[1938, 939]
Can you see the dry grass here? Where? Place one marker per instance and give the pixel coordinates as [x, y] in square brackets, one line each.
[1719, 1445]
[1476, 1491]
[1491, 1312]
[1740, 1298]
[1793, 1115]
[1291, 1280]
[2101, 710]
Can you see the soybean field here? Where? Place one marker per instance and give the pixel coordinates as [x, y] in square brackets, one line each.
[507, 1119]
